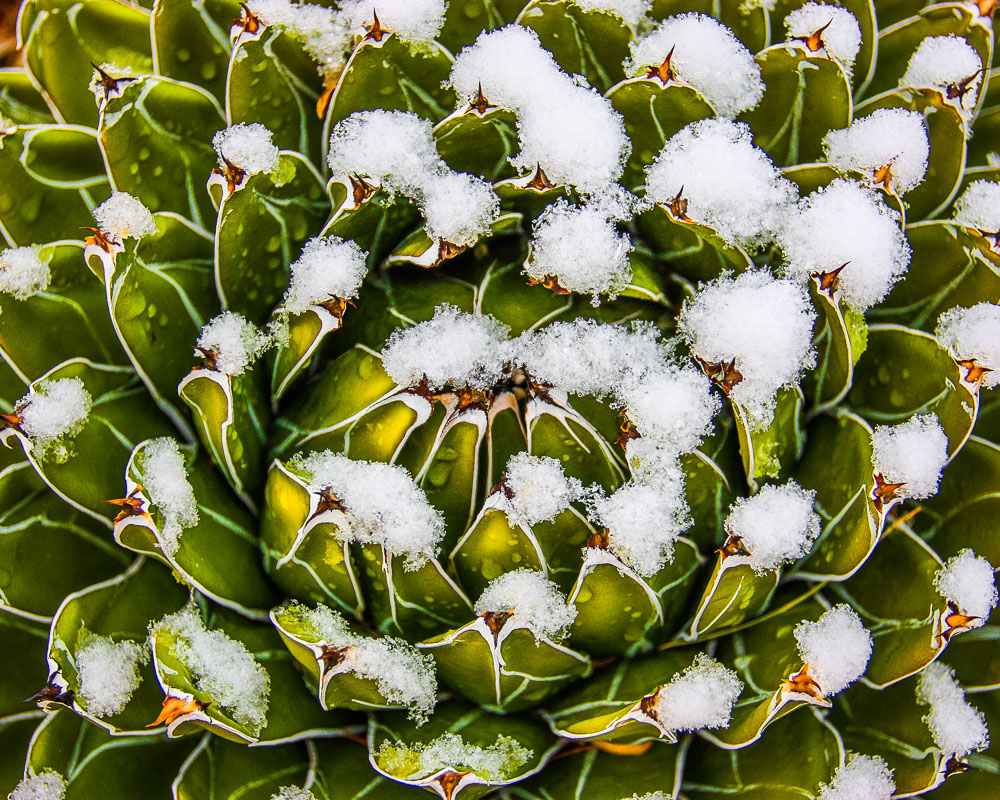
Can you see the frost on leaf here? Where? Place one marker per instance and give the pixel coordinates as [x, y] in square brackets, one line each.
[774, 526]
[702, 696]
[23, 273]
[124, 216]
[698, 50]
[889, 146]
[163, 477]
[532, 601]
[496, 762]
[539, 489]
[957, 727]
[861, 778]
[382, 502]
[727, 183]
[845, 226]
[53, 411]
[828, 28]
[911, 455]
[230, 344]
[46, 785]
[108, 673]
[753, 335]
[835, 650]
[221, 667]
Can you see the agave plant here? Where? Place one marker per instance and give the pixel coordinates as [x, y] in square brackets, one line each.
[543, 400]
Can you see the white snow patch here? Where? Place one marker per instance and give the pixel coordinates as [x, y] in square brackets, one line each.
[674, 405]
[861, 778]
[125, 216]
[970, 582]
[777, 525]
[913, 453]
[957, 727]
[536, 603]
[846, 223]
[764, 323]
[451, 752]
[836, 647]
[842, 37]
[293, 793]
[581, 247]
[163, 477]
[943, 62]
[46, 785]
[706, 56]
[729, 184]
[247, 147]
[321, 30]
[643, 522]
[702, 696]
[417, 21]
[655, 462]
[451, 349]
[234, 342]
[458, 207]
[222, 667]
[979, 207]
[23, 273]
[384, 504]
[893, 137]
[108, 673]
[541, 489]
[629, 11]
[52, 411]
[973, 334]
[328, 267]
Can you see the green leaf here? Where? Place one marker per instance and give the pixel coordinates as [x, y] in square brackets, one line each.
[156, 139]
[63, 38]
[377, 224]
[122, 609]
[261, 228]
[587, 42]
[293, 357]
[22, 664]
[734, 593]
[55, 177]
[464, 20]
[419, 249]
[770, 452]
[70, 311]
[805, 97]
[20, 101]
[15, 736]
[220, 555]
[975, 658]
[834, 337]
[482, 144]
[191, 41]
[343, 772]
[986, 125]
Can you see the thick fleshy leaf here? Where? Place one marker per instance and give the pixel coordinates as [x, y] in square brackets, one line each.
[482, 144]
[840, 337]
[22, 663]
[734, 593]
[261, 228]
[20, 101]
[986, 126]
[465, 19]
[975, 657]
[770, 452]
[191, 41]
[15, 736]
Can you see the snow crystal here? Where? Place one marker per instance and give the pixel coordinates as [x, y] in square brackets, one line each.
[540, 488]
[764, 323]
[728, 184]
[293, 793]
[890, 137]
[451, 752]
[572, 132]
[123, 215]
[46, 785]
[163, 477]
[586, 357]
[451, 349]
[705, 55]
[776, 525]
[328, 267]
[702, 696]
[836, 648]
[841, 39]
[643, 521]
[969, 581]
[536, 603]
[629, 11]
[913, 453]
[846, 225]
[108, 673]
[322, 31]
[675, 405]
[979, 207]
[973, 334]
[23, 273]
[247, 147]
[581, 247]
[53, 410]
[233, 342]
[946, 63]
[222, 667]
[384, 504]
[861, 778]
[415, 21]
[957, 727]
[458, 207]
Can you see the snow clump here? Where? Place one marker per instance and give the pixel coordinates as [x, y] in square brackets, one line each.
[889, 146]
[957, 727]
[328, 267]
[540, 488]
[23, 273]
[124, 216]
[973, 334]
[913, 453]
[163, 477]
[836, 647]
[861, 778]
[702, 696]
[969, 581]
[233, 342]
[52, 411]
[535, 602]
[841, 38]
[108, 673]
[776, 525]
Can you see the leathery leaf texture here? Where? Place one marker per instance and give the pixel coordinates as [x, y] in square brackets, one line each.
[532, 399]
